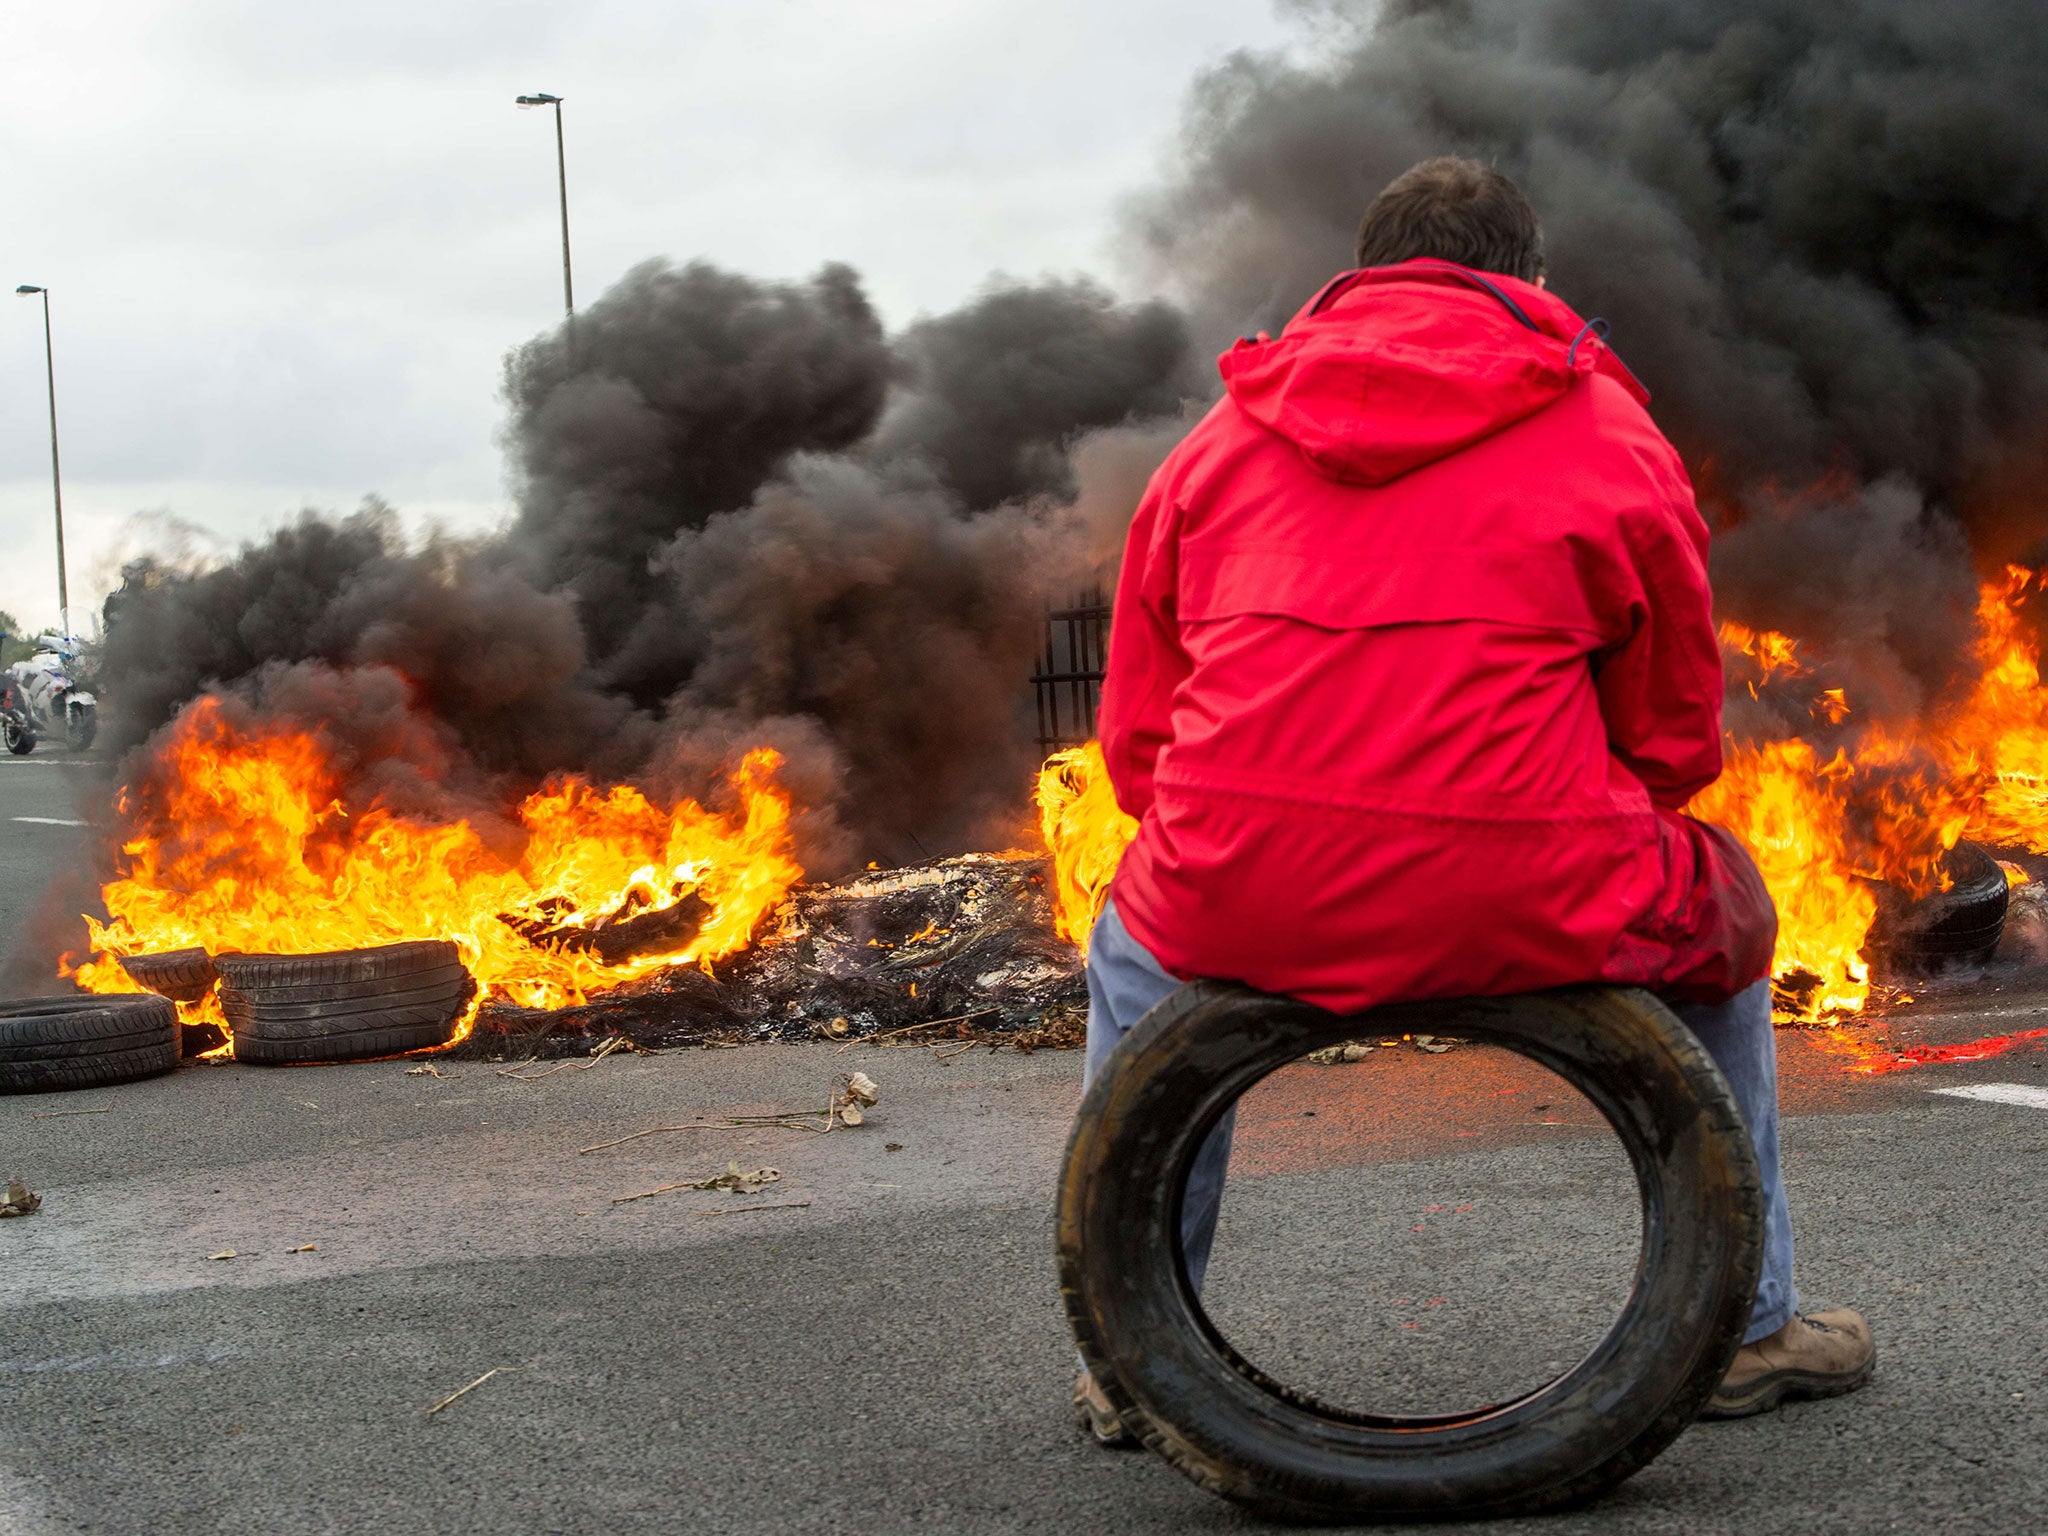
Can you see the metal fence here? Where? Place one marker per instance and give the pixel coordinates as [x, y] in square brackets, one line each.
[1068, 680]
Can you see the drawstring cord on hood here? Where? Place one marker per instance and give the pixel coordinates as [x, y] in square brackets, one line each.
[1343, 280]
[1596, 327]
[1235, 363]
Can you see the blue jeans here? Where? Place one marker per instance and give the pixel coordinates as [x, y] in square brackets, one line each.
[1124, 982]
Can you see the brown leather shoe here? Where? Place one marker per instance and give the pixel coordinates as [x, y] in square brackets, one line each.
[1820, 1356]
[1092, 1411]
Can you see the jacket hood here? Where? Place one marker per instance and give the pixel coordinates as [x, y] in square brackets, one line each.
[1391, 368]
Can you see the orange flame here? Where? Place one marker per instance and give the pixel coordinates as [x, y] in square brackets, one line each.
[1823, 829]
[1889, 807]
[1087, 834]
[1772, 652]
[1791, 812]
[1999, 739]
[240, 840]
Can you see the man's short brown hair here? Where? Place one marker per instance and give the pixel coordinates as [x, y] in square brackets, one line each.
[1455, 210]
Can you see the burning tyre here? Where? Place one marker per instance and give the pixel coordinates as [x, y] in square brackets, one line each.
[1958, 926]
[346, 1005]
[50, 1043]
[184, 976]
[1239, 1433]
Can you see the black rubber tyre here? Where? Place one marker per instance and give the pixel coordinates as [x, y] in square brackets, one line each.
[81, 725]
[1235, 1431]
[1959, 926]
[344, 1006]
[182, 975]
[49, 1043]
[17, 738]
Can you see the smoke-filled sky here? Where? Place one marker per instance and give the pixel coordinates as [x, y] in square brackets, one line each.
[289, 246]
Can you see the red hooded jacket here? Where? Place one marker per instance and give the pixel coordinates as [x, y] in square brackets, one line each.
[1414, 666]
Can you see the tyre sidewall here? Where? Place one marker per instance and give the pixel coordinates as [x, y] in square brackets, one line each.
[1233, 1430]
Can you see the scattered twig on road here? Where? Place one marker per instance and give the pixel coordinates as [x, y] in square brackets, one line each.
[843, 1106]
[740, 1210]
[890, 1034]
[487, 1375]
[648, 1194]
[428, 1069]
[732, 1178]
[617, 1042]
[789, 1120]
[58, 1114]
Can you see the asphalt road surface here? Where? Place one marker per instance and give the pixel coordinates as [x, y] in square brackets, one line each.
[1407, 1232]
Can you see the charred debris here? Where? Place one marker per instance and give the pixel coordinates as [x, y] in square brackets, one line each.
[960, 948]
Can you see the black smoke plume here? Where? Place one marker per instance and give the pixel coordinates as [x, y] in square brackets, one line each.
[715, 547]
[673, 398]
[1820, 231]
[1002, 385]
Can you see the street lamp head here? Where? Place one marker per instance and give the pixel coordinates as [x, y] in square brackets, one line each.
[30, 288]
[540, 100]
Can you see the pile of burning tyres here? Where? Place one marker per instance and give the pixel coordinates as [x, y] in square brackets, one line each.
[1889, 848]
[238, 842]
[284, 924]
[1893, 855]
[255, 914]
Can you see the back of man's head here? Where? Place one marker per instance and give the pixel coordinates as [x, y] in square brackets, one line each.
[1454, 210]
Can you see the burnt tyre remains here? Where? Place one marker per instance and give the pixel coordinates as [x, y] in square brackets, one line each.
[1959, 926]
[1241, 1434]
[50, 1043]
[346, 1005]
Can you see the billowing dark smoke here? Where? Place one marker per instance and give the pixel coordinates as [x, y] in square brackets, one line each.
[684, 392]
[1001, 387]
[675, 396]
[1819, 227]
[715, 548]
[496, 660]
[902, 627]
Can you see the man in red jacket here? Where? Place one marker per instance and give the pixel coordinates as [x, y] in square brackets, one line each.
[1414, 670]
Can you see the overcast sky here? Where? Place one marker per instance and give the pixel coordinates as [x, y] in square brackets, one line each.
[287, 245]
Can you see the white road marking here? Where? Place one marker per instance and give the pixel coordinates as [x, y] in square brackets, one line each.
[2000, 1093]
[49, 821]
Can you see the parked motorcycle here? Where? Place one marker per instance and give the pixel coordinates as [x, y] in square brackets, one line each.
[45, 701]
[17, 734]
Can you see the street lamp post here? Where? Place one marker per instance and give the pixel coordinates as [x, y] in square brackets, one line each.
[542, 99]
[56, 472]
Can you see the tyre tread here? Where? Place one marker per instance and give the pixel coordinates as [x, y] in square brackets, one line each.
[99, 1069]
[355, 1045]
[249, 972]
[1320, 1484]
[77, 1026]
